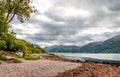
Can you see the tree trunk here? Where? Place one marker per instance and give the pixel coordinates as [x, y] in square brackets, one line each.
[24, 54]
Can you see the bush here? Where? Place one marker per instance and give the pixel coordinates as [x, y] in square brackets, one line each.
[17, 61]
[32, 57]
[2, 45]
[38, 49]
[9, 43]
[3, 58]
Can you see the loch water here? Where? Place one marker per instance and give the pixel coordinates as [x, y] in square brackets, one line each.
[98, 57]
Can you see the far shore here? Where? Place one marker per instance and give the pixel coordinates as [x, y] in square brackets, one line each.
[51, 65]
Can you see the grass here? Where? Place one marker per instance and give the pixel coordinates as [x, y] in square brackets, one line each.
[17, 61]
[32, 57]
[13, 54]
[3, 58]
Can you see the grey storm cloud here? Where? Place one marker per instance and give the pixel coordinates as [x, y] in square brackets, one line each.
[42, 37]
[111, 34]
[88, 20]
[114, 5]
[53, 15]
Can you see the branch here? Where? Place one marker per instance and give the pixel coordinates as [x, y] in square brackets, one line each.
[9, 12]
[11, 18]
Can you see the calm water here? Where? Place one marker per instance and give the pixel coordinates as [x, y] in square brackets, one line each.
[81, 56]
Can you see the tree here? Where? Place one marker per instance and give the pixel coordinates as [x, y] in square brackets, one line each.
[9, 9]
[3, 25]
[8, 39]
[2, 45]
[21, 47]
[19, 8]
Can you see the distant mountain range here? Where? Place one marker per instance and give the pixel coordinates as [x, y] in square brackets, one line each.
[111, 45]
[62, 48]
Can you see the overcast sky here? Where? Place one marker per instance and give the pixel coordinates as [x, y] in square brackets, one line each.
[70, 22]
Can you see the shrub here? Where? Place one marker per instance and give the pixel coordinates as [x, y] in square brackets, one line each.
[32, 57]
[38, 49]
[2, 45]
[3, 58]
[17, 61]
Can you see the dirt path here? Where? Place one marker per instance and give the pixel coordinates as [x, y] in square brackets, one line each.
[39, 68]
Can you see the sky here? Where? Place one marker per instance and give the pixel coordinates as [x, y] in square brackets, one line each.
[70, 22]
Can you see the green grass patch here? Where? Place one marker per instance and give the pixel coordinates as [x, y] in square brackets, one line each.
[17, 61]
[19, 56]
[32, 57]
[8, 53]
[3, 58]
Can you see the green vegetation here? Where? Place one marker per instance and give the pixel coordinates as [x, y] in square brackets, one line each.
[8, 42]
[17, 60]
[32, 57]
[20, 46]
[3, 58]
[20, 8]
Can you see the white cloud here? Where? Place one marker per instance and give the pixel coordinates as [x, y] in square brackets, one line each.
[42, 6]
[96, 30]
[77, 12]
[44, 18]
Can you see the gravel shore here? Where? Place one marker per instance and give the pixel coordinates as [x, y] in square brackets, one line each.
[91, 69]
[52, 65]
[38, 68]
[88, 69]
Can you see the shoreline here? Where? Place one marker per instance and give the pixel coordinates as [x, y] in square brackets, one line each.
[90, 69]
[86, 68]
[58, 58]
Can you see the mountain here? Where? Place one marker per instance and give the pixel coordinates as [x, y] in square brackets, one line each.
[91, 47]
[62, 48]
[110, 45]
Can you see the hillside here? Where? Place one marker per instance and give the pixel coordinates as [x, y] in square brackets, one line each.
[91, 47]
[107, 46]
[110, 45]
